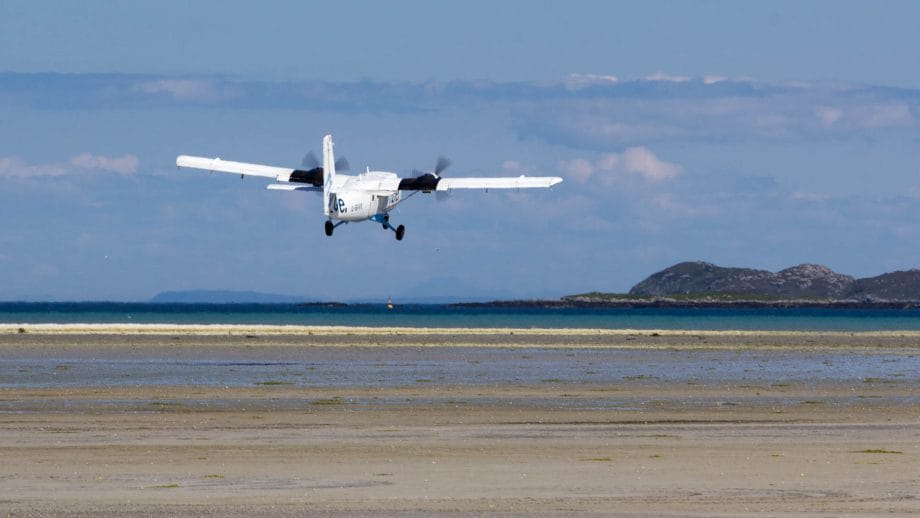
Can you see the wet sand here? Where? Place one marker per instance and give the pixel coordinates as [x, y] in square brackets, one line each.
[658, 444]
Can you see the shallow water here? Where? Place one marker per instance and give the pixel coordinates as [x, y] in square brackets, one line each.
[401, 367]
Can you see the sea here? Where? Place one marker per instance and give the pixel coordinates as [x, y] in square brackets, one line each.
[436, 316]
[380, 367]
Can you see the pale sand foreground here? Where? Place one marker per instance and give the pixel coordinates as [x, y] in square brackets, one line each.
[826, 448]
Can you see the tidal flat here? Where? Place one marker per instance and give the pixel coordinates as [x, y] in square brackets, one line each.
[351, 421]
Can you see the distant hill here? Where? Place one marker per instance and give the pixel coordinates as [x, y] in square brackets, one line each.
[891, 286]
[223, 297]
[805, 281]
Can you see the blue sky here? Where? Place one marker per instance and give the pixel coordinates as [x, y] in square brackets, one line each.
[762, 135]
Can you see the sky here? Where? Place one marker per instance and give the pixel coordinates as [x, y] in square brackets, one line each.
[760, 135]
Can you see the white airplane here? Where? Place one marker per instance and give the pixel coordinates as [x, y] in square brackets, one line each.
[366, 196]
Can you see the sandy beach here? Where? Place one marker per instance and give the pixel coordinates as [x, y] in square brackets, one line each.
[619, 429]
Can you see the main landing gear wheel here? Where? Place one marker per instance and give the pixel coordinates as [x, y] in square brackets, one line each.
[329, 228]
[400, 232]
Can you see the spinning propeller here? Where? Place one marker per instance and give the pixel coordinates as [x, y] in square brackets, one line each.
[443, 163]
[439, 167]
[311, 162]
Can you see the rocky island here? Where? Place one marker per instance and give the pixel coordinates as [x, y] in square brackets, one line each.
[703, 284]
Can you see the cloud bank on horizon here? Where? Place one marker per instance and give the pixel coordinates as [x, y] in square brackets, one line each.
[583, 110]
[15, 168]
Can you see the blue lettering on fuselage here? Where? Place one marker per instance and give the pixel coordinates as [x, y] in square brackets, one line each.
[342, 209]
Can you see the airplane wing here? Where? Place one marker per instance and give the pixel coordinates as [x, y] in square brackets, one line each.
[292, 187]
[430, 182]
[520, 182]
[313, 176]
[427, 182]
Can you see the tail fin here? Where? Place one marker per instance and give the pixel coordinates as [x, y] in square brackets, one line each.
[328, 176]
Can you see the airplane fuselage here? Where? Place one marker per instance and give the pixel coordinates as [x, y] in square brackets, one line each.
[351, 200]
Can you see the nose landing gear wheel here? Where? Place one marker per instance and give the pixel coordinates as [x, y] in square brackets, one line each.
[329, 228]
[400, 232]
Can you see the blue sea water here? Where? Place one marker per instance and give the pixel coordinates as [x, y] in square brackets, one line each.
[794, 319]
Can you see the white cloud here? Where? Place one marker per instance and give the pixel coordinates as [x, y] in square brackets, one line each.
[642, 161]
[725, 110]
[634, 160]
[511, 165]
[772, 125]
[608, 162]
[579, 81]
[711, 80]
[187, 89]
[808, 196]
[577, 169]
[661, 76]
[125, 164]
[594, 123]
[668, 204]
[827, 115]
[15, 167]
[885, 115]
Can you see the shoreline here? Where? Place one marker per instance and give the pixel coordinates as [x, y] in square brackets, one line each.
[576, 301]
[293, 329]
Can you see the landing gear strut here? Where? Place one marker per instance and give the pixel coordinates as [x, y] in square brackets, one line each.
[330, 226]
[384, 220]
